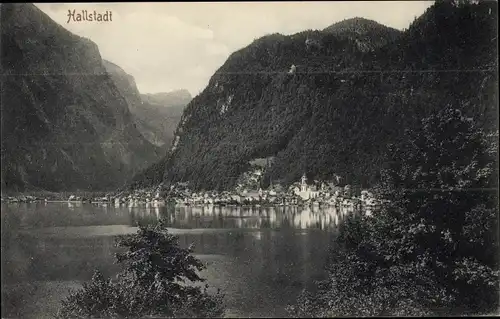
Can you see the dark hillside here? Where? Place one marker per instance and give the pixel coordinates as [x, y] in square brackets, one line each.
[65, 125]
[323, 105]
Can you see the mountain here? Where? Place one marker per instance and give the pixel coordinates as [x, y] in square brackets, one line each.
[65, 125]
[163, 111]
[156, 115]
[317, 102]
[124, 82]
[368, 34]
[168, 99]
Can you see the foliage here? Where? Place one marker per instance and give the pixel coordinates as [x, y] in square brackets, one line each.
[343, 105]
[150, 176]
[369, 34]
[155, 281]
[433, 248]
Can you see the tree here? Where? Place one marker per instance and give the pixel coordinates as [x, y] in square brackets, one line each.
[433, 247]
[444, 180]
[153, 282]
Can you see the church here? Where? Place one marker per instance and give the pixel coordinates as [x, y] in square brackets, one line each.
[305, 191]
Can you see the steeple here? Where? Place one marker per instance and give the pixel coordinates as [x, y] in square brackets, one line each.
[303, 183]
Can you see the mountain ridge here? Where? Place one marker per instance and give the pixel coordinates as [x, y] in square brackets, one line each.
[156, 116]
[369, 34]
[168, 99]
[334, 113]
[65, 125]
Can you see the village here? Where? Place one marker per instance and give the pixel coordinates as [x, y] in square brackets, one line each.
[246, 193]
[249, 193]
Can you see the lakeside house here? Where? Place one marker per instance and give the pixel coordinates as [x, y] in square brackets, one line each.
[314, 194]
[253, 196]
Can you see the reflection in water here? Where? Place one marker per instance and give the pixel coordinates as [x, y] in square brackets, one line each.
[256, 255]
[246, 217]
[73, 205]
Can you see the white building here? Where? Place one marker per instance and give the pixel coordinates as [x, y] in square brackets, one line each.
[306, 192]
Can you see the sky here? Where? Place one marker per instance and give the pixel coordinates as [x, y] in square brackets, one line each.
[173, 45]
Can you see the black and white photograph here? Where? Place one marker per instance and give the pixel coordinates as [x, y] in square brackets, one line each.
[283, 159]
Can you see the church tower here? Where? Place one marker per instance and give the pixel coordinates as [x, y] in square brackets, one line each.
[303, 183]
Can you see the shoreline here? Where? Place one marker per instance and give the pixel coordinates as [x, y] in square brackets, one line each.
[152, 204]
[146, 198]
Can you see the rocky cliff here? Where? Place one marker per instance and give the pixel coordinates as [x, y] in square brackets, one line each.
[156, 115]
[65, 125]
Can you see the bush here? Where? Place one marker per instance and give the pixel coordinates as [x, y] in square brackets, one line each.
[153, 282]
[433, 248]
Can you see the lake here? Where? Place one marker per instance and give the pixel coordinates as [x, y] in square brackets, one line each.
[260, 257]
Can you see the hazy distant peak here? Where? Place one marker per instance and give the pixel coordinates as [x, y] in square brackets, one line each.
[179, 92]
[171, 98]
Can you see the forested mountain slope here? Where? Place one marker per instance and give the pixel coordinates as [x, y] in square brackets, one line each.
[321, 103]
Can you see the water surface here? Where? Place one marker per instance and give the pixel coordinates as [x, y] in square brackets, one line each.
[260, 257]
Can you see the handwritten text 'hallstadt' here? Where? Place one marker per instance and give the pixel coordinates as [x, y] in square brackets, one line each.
[90, 16]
